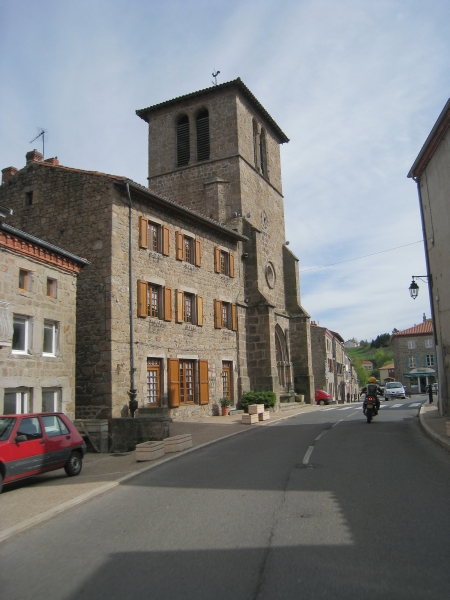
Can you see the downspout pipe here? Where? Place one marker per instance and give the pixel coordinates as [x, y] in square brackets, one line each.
[430, 291]
[133, 404]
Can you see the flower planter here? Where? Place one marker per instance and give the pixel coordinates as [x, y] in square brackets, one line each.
[225, 411]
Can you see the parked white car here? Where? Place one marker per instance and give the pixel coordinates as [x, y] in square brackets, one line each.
[394, 389]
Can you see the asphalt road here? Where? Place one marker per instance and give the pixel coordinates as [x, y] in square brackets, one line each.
[322, 505]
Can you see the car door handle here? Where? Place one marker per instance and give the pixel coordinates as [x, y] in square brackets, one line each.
[67, 437]
[42, 442]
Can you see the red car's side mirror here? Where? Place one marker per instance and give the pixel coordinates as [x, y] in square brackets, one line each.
[20, 438]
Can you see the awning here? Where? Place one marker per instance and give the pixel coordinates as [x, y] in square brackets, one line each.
[421, 372]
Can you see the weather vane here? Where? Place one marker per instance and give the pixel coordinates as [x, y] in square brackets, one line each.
[41, 133]
[214, 74]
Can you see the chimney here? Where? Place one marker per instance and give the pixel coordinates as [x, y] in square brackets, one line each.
[8, 173]
[33, 155]
[52, 161]
[424, 317]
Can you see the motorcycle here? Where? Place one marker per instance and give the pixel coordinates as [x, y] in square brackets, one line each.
[371, 408]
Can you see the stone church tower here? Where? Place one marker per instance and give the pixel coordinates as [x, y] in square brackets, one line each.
[217, 151]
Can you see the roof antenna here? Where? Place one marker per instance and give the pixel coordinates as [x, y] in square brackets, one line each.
[214, 74]
[43, 132]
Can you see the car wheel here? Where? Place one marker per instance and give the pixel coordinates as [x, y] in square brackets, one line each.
[321, 402]
[74, 464]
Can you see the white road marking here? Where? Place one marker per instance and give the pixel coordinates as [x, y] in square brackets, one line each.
[325, 409]
[307, 455]
[340, 421]
[346, 408]
[384, 406]
[415, 404]
[396, 405]
[321, 435]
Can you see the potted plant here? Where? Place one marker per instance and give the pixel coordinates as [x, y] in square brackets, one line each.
[225, 404]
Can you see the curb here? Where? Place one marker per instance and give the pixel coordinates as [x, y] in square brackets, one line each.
[440, 439]
[44, 516]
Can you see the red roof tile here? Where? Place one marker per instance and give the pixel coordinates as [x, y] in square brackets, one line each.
[421, 329]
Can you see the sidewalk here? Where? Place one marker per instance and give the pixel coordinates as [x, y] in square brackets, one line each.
[434, 425]
[34, 500]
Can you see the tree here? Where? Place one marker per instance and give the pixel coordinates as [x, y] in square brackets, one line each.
[381, 340]
[361, 372]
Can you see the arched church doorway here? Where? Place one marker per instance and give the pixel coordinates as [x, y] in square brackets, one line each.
[282, 358]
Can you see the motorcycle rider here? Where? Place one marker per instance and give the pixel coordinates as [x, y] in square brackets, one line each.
[372, 389]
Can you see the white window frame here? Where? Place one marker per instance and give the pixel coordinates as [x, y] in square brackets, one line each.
[430, 360]
[23, 400]
[411, 344]
[54, 326]
[57, 399]
[429, 343]
[27, 338]
[413, 361]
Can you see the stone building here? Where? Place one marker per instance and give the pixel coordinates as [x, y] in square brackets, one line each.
[415, 357]
[187, 299]
[37, 324]
[431, 173]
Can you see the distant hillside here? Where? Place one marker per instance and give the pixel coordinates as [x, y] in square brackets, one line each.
[379, 357]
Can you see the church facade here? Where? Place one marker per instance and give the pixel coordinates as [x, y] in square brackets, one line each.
[192, 294]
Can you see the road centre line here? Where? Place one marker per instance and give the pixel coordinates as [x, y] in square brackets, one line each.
[337, 423]
[307, 455]
[321, 435]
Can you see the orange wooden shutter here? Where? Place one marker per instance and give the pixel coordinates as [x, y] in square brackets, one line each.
[179, 245]
[178, 306]
[166, 241]
[198, 253]
[234, 317]
[167, 304]
[143, 232]
[231, 265]
[174, 382]
[204, 385]
[142, 287]
[217, 259]
[199, 310]
[217, 314]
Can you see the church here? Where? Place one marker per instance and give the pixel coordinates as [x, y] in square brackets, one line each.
[191, 294]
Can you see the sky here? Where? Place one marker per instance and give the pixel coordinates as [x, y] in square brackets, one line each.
[356, 85]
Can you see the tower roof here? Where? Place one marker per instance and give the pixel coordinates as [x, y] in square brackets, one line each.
[236, 84]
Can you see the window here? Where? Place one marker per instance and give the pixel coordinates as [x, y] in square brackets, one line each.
[223, 262]
[262, 153]
[21, 334]
[17, 401]
[412, 361]
[50, 334]
[225, 315]
[429, 360]
[31, 428]
[183, 141]
[51, 288]
[154, 237]
[154, 301]
[189, 308]
[28, 198]
[227, 391]
[54, 426]
[183, 375]
[154, 381]
[429, 343]
[188, 249]
[255, 143]
[411, 344]
[51, 400]
[24, 280]
[203, 145]
[186, 382]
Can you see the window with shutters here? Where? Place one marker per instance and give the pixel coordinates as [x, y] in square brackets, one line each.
[183, 141]
[202, 126]
[227, 391]
[188, 249]
[154, 381]
[154, 301]
[189, 308]
[223, 262]
[187, 381]
[412, 361]
[225, 315]
[189, 300]
[153, 236]
[429, 360]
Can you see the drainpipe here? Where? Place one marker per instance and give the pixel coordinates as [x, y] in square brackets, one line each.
[133, 405]
[430, 294]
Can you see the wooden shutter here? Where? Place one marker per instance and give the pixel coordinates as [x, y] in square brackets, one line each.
[174, 382]
[143, 232]
[234, 317]
[217, 314]
[198, 253]
[204, 385]
[217, 259]
[407, 362]
[178, 306]
[199, 311]
[166, 241]
[167, 304]
[231, 257]
[142, 298]
[179, 245]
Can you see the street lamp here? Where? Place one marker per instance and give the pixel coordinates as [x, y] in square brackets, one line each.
[414, 288]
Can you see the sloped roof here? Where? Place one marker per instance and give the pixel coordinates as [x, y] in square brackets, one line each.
[424, 328]
[237, 84]
[389, 366]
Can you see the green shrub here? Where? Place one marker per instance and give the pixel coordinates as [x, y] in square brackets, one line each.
[269, 399]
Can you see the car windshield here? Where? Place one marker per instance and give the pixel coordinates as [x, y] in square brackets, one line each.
[394, 384]
[6, 425]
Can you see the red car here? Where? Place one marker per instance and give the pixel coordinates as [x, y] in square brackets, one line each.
[322, 397]
[36, 443]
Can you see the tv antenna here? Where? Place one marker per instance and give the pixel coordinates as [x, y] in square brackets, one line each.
[42, 133]
[214, 74]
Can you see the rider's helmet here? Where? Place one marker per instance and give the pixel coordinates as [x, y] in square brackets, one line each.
[372, 380]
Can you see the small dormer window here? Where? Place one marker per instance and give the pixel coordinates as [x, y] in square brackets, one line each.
[203, 145]
[183, 145]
